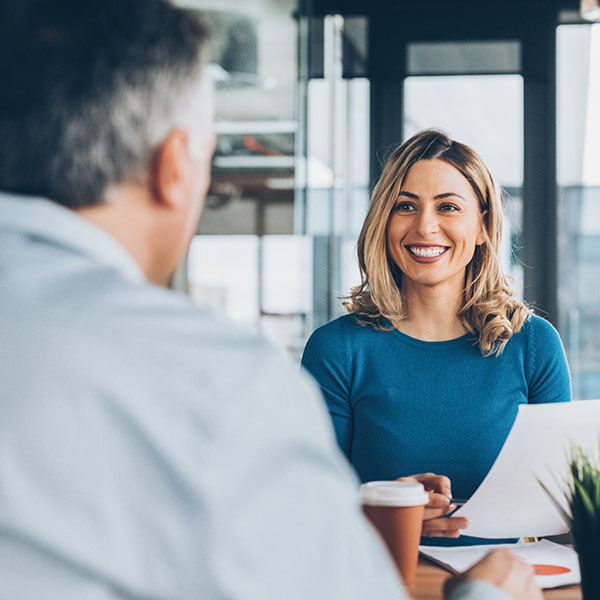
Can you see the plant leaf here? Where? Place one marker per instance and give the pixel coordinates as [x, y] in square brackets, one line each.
[586, 501]
[563, 513]
[584, 493]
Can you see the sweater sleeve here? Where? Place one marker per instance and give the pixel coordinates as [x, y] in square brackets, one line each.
[326, 359]
[548, 372]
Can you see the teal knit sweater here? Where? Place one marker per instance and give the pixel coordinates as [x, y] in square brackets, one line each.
[401, 406]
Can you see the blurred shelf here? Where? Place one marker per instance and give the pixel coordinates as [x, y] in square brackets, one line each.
[253, 162]
[255, 127]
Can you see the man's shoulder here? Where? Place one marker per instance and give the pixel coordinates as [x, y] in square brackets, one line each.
[144, 330]
[171, 322]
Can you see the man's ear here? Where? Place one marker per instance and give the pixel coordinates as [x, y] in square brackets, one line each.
[173, 170]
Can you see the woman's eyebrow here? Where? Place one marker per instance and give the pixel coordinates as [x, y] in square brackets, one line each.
[448, 195]
[437, 197]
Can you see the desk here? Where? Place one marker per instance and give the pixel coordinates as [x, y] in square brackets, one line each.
[431, 578]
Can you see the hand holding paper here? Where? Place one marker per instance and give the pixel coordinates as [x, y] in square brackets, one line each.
[435, 523]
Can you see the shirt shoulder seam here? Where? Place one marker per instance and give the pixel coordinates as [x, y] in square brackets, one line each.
[347, 365]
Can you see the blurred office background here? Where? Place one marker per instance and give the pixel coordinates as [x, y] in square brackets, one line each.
[313, 94]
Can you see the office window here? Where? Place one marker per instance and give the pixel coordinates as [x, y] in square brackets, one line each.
[223, 275]
[578, 168]
[262, 283]
[235, 265]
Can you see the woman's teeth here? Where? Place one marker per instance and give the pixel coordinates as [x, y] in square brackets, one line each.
[429, 252]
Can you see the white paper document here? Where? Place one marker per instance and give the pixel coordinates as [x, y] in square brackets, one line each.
[555, 565]
[510, 502]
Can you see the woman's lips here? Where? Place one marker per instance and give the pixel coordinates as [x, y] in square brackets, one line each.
[426, 254]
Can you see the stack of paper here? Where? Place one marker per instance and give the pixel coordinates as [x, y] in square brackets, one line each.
[555, 565]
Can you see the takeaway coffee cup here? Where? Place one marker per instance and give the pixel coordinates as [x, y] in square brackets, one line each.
[396, 510]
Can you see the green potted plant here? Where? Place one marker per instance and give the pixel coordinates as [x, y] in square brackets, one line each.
[583, 497]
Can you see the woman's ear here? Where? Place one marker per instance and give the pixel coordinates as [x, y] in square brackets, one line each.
[480, 236]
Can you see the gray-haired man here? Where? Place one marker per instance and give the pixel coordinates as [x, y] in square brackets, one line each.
[148, 450]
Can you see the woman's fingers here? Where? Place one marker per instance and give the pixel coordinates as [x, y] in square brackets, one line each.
[439, 502]
[435, 513]
[435, 483]
[431, 482]
[435, 524]
[443, 527]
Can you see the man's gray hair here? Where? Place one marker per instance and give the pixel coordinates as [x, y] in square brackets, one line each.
[91, 89]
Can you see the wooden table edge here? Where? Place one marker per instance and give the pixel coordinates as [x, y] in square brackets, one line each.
[429, 584]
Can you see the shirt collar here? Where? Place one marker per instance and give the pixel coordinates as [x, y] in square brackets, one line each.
[42, 218]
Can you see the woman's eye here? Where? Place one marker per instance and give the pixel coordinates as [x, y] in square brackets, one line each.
[404, 207]
[449, 208]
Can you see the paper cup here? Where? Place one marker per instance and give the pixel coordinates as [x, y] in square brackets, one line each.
[396, 509]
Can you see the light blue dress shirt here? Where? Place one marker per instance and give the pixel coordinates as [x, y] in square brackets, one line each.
[150, 451]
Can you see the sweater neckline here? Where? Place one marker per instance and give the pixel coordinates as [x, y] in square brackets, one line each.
[432, 344]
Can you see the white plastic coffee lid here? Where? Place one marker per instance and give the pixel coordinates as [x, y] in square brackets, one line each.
[393, 493]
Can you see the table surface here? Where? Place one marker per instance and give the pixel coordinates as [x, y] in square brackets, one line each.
[430, 582]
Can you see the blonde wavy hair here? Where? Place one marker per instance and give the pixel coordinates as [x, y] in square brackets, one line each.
[489, 310]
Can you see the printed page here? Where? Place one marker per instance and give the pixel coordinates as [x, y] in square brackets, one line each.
[555, 565]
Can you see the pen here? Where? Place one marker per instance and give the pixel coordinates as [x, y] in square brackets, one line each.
[458, 501]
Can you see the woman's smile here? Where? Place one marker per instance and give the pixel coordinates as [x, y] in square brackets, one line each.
[424, 253]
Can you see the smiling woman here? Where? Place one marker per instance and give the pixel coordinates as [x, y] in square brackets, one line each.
[427, 371]
[447, 189]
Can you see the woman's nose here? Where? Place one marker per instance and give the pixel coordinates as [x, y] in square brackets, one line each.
[427, 222]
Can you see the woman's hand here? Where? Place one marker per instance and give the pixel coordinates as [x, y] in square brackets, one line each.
[504, 570]
[435, 523]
